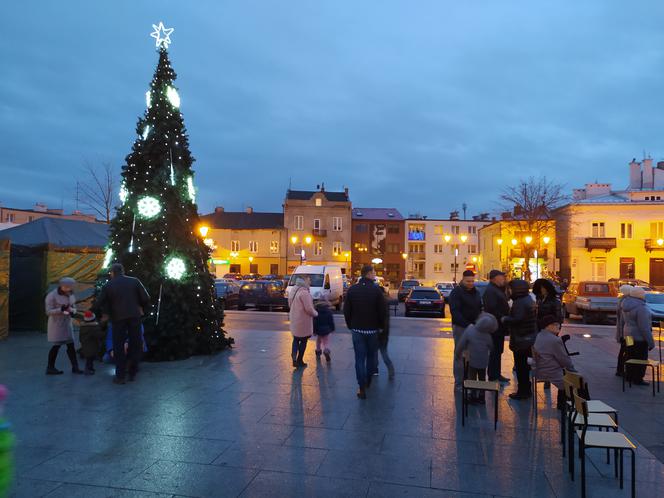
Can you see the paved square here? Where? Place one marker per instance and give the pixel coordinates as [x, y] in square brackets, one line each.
[244, 423]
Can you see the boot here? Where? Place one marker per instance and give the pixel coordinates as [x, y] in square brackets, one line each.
[71, 353]
[361, 393]
[52, 355]
[390, 372]
[327, 355]
[53, 371]
[318, 353]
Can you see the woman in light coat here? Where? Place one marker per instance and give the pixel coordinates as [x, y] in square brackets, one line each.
[302, 314]
[60, 306]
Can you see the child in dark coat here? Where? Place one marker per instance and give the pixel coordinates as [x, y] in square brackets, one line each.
[91, 337]
[323, 327]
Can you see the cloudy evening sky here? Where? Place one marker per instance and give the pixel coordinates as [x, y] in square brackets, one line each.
[417, 105]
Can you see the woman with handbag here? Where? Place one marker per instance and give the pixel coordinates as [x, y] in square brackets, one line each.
[302, 314]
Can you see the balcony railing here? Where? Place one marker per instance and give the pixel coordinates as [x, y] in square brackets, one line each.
[601, 243]
[653, 245]
[319, 232]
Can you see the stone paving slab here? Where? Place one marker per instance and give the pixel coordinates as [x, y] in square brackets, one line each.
[243, 423]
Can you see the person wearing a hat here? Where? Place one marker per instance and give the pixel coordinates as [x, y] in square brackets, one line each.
[496, 303]
[91, 335]
[625, 290]
[60, 306]
[638, 324]
[550, 356]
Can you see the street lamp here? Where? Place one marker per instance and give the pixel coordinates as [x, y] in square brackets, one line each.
[528, 239]
[307, 241]
[463, 238]
[660, 242]
[203, 230]
[514, 242]
[546, 239]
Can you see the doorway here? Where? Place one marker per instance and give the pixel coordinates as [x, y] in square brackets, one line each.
[274, 268]
[627, 269]
[657, 272]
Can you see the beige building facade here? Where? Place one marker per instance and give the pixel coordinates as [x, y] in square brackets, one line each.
[13, 216]
[319, 227]
[440, 250]
[605, 234]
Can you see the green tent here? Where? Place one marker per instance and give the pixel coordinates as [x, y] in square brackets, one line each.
[44, 251]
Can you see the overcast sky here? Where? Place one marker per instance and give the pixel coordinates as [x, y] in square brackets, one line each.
[416, 105]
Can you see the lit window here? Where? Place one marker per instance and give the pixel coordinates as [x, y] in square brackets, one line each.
[438, 267]
[438, 248]
[598, 229]
[336, 248]
[318, 248]
[274, 247]
[235, 245]
[625, 230]
[253, 246]
[319, 202]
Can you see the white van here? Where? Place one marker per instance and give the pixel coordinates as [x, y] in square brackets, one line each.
[325, 281]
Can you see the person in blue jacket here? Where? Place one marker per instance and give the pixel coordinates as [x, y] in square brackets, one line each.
[323, 327]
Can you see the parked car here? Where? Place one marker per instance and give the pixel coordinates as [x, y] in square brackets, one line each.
[594, 301]
[228, 293]
[425, 300]
[655, 301]
[325, 280]
[634, 282]
[251, 276]
[445, 288]
[481, 286]
[345, 282]
[233, 276]
[405, 288]
[262, 294]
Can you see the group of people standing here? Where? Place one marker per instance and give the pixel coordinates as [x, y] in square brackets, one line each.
[123, 301]
[366, 315]
[481, 323]
[633, 332]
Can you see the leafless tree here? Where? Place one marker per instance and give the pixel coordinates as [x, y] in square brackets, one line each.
[531, 203]
[97, 192]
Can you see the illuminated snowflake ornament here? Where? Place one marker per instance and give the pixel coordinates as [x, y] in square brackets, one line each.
[148, 207]
[173, 96]
[175, 268]
[162, 35]
[124, 193]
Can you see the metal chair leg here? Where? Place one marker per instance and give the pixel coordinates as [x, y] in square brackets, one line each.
[615, 462]
[622, 468]
[583, 470]
[495, 411]
[633, 473]
[463, 406]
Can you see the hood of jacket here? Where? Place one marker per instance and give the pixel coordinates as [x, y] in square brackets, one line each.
[519, 288]
[632, 303]
[486, 323]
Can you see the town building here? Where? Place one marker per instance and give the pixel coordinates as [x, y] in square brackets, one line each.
[378, 239]
[319, 228]
[605, 233]
[246, 242]
[10, 217]
[520, 248]
[439, 250]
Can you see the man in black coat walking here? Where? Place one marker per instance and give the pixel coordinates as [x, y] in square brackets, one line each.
[365, 310]
[126, 301]
[496, 303]
[465, 306]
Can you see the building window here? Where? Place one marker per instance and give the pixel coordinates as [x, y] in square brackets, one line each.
[31, 218]
[297, 250]
[299, 222]
[598, 229]
[319, 202]
[336, 248]
[438, 248]
[454, 248]
[316, 224]
[274, 247]
[438, 229]
[438, 267]
[657, 230]
[359, 247]
[625, 230]
[416, 248]
[361, 228]
[472, 229]
[10, 218]
[393, 248]
[416, 232]
[318, 248]
[455, 229]
[336, 224]
[253, 246]
[235, 245]
[598, 269]
[472, 249]
[454, 266]
[393, 229]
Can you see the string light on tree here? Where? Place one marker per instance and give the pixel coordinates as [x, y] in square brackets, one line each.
[175, 268]
[107, 258]
[146, 132]
[148, 98]
[124, 193]
[191, 190]
[173, 96]
[148, 207]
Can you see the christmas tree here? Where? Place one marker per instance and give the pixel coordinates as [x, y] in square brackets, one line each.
[155, 233]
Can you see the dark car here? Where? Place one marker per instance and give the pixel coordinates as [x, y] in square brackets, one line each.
[233, 276]
[262, 294]
[481, 286]
[252, 276]
[405, 287]
[425, 300]
[228, 293]
[445, 288]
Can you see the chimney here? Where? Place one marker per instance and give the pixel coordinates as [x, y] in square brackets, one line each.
[647, 173]
[219, 209]
[635, 175]
[249, 210]
[658, 178]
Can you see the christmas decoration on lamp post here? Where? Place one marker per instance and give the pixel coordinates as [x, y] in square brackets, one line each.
[155, 233]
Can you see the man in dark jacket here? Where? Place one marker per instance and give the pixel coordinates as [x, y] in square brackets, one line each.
[465, 306]
[125, 300]
[522, 323]
[496, 303]
[365, 310]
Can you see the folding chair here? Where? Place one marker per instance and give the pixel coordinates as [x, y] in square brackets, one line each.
[609, 440]
[469, 386]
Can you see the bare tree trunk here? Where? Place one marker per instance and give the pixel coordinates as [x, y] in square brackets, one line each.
[97, 192]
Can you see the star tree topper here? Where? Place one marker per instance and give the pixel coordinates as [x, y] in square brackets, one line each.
[162, 35]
